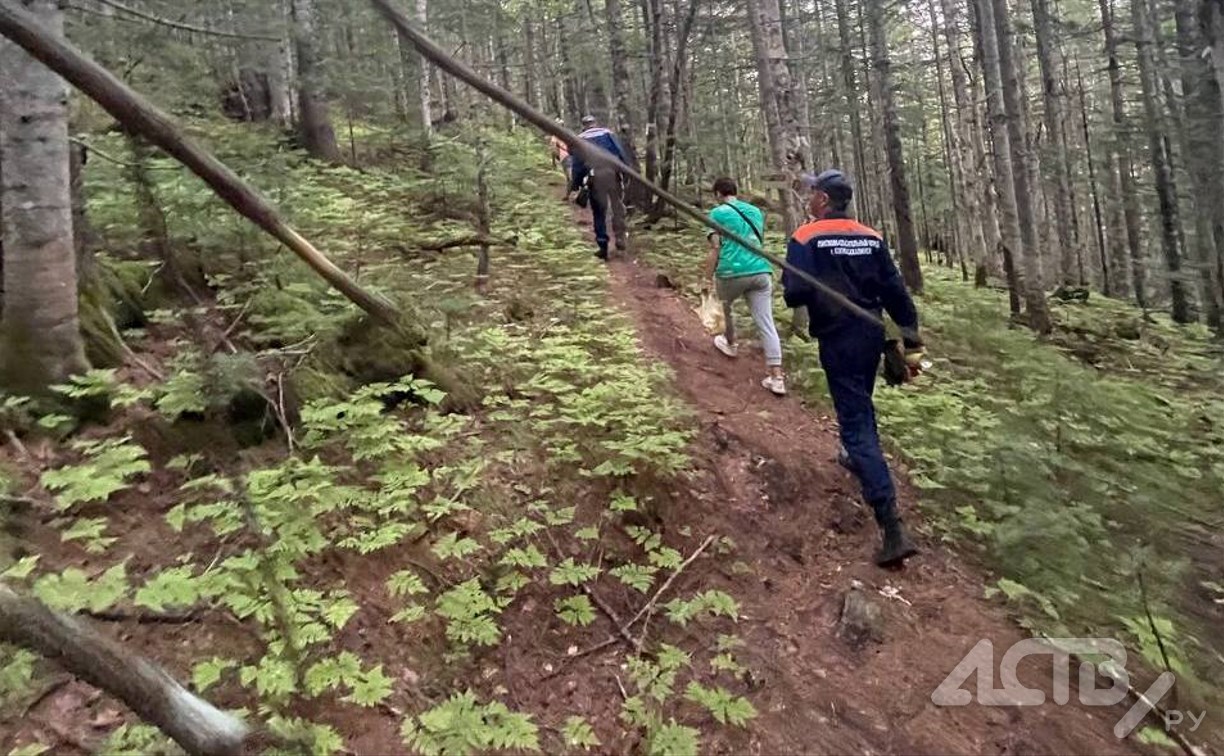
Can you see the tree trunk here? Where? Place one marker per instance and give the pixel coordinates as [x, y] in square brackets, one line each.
[1123, 165]
[569, 84]
[802, 89]
[626, 126]
[980, 131]
[965, 157]
[314, 124]
[907, 240]
[424, 75]
[40, 336]
[1056, 163]
[1030, 255]
[280, 71]
[1094, 190]
[1204, 158]
[530, 86]
[778, 98]
[1004, 179]
[484, 216]
[653, 12]
[1211, 13]
[679, 65]
[1162, 168]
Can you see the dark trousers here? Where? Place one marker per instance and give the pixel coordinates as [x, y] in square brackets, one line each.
[851, 359]
[608, 198]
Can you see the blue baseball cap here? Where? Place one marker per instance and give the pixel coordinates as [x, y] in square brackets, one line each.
[832, 182]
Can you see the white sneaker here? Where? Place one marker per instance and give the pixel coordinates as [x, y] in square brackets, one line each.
[720, 343]
[777, 386]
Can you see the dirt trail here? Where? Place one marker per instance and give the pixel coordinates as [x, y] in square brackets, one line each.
[769, 480]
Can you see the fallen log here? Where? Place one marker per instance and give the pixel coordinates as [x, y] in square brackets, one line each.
[193, 723]
[468, 241]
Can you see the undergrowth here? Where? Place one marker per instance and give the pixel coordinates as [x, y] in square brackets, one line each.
[1071, 467]
[378, 556]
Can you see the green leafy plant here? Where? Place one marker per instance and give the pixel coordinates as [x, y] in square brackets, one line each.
[108, 468]
[462, 725]
[72, 590]
[569, 573]
[576, 610]
[91, 531]
[725, 707]
[673, 739]
[469, 614]
[578, 733]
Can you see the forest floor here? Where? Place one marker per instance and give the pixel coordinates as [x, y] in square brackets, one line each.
[768, 474]
[465, 581]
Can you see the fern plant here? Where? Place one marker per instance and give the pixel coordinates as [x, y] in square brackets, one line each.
[108, 468]
[462, 725]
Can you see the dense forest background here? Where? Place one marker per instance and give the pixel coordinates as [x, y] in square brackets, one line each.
[495, 524]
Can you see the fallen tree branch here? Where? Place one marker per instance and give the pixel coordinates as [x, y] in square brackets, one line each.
[469, 241]
[193, 723]
[136, 359]
[100, 153]
[649, 608]
[140, 117]
[622, 630]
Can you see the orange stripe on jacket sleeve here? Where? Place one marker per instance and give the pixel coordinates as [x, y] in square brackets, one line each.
[833, 226]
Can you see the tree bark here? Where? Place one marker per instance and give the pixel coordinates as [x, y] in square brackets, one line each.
[964, 155]
[778, 99]
[1212, 14]
[1123, 167]
[530, 85]
[191, 722]
[1030, 255]
[1162, 168]
[907, 240]
[1204, 158]
[1055, 164]
[675, 86]
[40, 336]
[1001, 154]
[314, 122]
[280, 70]
[1093, 186]
[995, 255]
[654, 16]
[626, 125]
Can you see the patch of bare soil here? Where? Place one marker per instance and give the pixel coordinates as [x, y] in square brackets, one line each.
[768, 478]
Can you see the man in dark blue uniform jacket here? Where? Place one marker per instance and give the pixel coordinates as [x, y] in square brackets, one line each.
[853, 259]
[606, 190]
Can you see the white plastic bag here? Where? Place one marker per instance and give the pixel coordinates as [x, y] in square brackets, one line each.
[711, 313]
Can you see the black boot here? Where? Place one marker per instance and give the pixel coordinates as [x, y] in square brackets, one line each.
[897, 545]
[602, 254]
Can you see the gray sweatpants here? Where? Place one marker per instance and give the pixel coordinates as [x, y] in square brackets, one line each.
[758, 290]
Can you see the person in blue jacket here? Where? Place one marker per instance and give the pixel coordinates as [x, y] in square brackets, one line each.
[607, 192]
[853, 259]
